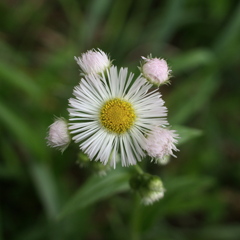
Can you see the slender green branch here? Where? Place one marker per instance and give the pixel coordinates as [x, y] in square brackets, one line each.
[138, 169]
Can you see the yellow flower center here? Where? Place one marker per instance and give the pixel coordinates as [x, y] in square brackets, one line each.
[117, 115]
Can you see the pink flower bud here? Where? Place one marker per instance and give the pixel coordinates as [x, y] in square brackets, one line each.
[155, 70]
[58, 136]
[93, 61]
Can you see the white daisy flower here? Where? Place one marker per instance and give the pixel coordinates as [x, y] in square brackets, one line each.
[155, 70]
[109, 115]
[161, 143]
[93, 62]
[58, 135]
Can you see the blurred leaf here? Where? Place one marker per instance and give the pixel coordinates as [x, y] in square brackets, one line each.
[191, 59]
[166, 23]
[46, 187]
[95, 189]
[11, 167]
[73, 12]
[22, 131]
[229, 33]
[183, 194]
[36, 231]
[220, 232]
[117, 20]
[186, 133]
[19, 79]
[199, 90]
[1, 224]
[96, 12]
[126, 37]
[181, 183]
[8, 53]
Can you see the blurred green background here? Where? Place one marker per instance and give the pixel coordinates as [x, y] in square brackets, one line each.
[44, 194]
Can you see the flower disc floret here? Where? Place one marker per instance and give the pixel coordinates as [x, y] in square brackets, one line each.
[117, 115]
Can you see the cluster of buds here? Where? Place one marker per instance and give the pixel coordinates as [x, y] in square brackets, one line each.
[149, 187]
[117, 120]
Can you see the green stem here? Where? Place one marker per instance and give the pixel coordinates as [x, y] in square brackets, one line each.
[135, 219]
[138, 169]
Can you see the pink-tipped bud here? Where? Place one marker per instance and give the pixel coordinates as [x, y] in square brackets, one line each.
[155, 70]
[93, 62]
[58, 135]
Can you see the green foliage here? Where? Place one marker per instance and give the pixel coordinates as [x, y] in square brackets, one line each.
[186, 134]
[45, 194]
[96, 189]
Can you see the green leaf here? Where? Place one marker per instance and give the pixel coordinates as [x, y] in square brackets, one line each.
[229, 34]
[168, 22]
[193, 96]
[220, 232]
[19, 79]
[46, 187]
[95, 189]
[183, 194]
[186, 133]
[11, 166]
[191, 59]
[117, 19]
[96, 12]
[21, 129]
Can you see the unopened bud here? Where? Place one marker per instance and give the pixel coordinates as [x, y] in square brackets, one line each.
[149, 187]
[58, 135]
[155, 70]
[93, 62]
